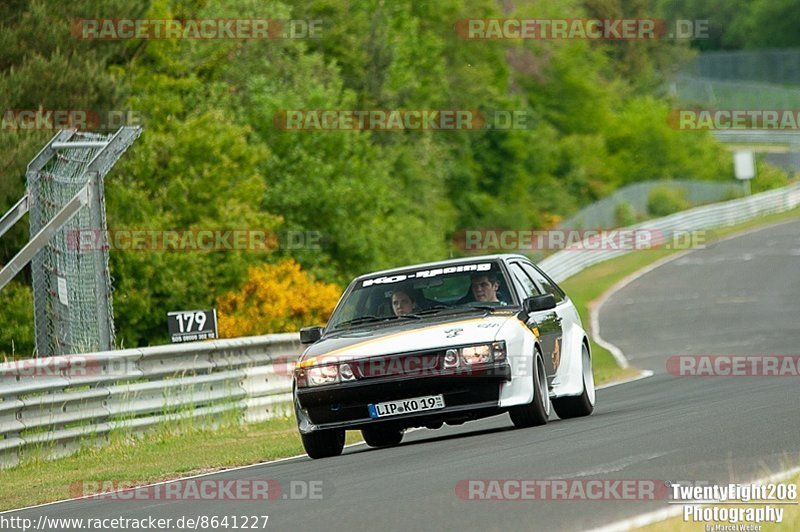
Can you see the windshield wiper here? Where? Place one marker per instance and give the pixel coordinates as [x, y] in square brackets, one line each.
[457, 309]
[431, 310]
[415, 315]
[360, 319]
[373, 319]
[482, 307]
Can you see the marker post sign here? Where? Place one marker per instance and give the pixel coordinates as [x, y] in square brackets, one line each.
[744, 166]
[192, 325]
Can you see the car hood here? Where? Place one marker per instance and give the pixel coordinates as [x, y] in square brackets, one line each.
[408, 336]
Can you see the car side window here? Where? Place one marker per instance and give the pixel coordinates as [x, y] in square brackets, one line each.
[547, 285]
[528, 286]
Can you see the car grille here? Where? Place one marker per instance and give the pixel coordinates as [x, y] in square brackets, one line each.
[413, 364]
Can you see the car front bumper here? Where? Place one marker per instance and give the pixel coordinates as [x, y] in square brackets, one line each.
[346, 405]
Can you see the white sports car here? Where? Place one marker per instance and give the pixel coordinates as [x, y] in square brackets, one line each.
[443, 342]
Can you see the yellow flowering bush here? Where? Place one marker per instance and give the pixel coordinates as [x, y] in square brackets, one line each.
[276, 298]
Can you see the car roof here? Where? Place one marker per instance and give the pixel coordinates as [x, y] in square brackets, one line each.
[445, 263]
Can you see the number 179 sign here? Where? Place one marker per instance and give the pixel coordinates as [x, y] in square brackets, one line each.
[192, 325]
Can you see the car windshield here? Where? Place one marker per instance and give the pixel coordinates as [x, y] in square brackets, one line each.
[421, 292]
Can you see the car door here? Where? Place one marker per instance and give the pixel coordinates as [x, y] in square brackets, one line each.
[547, 322]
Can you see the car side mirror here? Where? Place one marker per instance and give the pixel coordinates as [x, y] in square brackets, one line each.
[309, 335]
[538, 303]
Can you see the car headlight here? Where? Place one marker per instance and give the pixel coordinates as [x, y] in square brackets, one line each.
[346, 373]
[484, 354]
[477, 354]
[319, 375]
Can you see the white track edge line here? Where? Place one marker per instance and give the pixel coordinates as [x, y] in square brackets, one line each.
[643, 374]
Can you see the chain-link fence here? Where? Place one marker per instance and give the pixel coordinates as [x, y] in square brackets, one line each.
[780, 67]
[71, 288]
[743, 79]
[603, 213]
[747, 79]
[71, 282]
[724, 94]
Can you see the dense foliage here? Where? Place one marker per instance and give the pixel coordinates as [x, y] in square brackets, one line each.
[211, 156]
[277, 298]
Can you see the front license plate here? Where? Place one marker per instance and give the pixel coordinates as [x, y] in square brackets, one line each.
[406, 406]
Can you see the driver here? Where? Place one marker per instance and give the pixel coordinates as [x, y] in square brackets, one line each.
[484, 287]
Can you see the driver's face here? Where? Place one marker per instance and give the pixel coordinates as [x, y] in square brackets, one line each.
[484, 290]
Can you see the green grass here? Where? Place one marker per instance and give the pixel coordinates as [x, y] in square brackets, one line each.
[159, 455]
[185, 449]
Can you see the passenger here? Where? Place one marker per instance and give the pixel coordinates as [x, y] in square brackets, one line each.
[403, 303]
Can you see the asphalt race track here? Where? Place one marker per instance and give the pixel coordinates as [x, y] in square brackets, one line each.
[740, 296]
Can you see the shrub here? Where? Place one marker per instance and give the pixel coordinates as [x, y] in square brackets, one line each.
[768, 177]
[275, 298]
[662, 201]
[624, 214]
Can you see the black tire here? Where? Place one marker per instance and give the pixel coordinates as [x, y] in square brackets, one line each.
[583, 404]
[323, 443]
[382, 437]
[537, 411]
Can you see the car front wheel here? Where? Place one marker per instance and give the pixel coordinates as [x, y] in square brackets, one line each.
[580, 405]
[538, 410]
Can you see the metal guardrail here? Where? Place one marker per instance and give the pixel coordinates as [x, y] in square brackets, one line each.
[602, 213]
[568, 262]
[54, 406]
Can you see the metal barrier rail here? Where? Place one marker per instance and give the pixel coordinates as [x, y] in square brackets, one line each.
[56, 405]
[568, 262]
